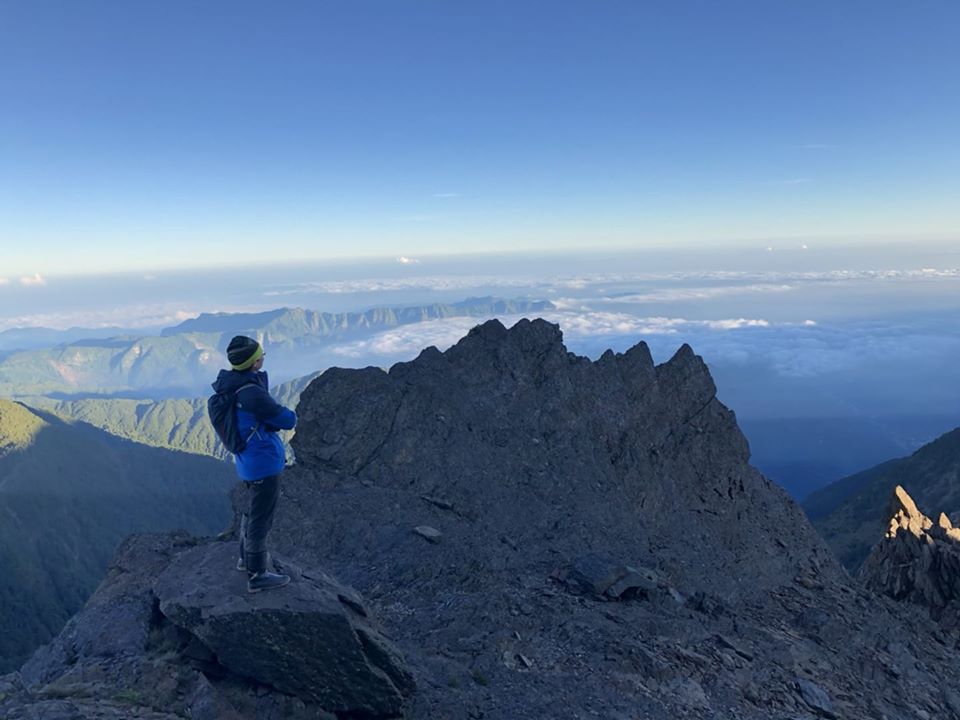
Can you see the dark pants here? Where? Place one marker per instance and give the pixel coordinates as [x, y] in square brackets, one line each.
[257, 519]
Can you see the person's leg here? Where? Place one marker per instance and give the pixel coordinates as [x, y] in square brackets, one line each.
[263, 504]
[244, 502]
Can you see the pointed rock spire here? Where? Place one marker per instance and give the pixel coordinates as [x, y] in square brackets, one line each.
[916, 560]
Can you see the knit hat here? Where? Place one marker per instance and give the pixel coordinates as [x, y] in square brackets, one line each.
[243, 352]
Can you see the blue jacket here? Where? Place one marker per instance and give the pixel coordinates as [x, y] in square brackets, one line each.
[259, 417]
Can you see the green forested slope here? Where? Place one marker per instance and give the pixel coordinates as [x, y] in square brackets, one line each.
[176, 424]
[68, 494]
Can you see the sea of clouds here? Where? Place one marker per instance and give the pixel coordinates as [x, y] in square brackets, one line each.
[870, 348]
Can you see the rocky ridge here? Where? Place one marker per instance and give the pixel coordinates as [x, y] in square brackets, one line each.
[545, 536]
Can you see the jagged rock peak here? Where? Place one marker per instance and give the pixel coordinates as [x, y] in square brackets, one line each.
[917, 561]
[905, 515]
[548, 537]
[513, 429]
[534, 341]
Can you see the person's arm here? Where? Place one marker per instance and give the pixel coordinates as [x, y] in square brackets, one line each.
[286, 419]
[265, 409]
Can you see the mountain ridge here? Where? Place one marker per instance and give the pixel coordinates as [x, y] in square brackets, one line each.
[541, 536]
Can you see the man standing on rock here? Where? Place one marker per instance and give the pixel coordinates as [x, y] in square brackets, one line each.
[261, 460]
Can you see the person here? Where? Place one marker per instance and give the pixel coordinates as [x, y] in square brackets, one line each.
[260, 463]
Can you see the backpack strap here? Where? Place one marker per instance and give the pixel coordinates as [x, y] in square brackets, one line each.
[244, 387]
[256, 427]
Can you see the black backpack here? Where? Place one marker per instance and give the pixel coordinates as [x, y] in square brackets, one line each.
[222, 409]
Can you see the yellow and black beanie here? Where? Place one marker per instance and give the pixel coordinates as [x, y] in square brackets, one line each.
[243, 352]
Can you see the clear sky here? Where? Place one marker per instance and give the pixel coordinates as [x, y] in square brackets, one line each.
[147, 135]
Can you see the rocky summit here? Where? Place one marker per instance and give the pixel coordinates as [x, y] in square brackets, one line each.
[515, 532]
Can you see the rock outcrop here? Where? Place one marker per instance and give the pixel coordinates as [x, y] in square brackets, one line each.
[852, 513]
[917, 561]
[601, 545]
[172, 633]
[542, 536]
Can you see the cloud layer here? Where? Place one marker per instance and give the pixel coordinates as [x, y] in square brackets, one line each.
[33, 280]
[406, 341]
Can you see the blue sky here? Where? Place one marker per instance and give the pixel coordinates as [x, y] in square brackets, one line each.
[141, 136]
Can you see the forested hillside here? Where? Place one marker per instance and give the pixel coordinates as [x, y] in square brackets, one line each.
[68, 494]
[175, 424]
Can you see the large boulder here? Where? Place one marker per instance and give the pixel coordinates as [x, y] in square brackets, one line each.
[172, 632]
[313, 639]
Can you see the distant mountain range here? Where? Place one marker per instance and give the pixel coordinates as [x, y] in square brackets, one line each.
[68, 494]
[182, 360]
[852, 513]
[34, 338]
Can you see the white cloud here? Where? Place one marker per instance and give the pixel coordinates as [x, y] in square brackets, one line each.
[584, 282]
[126, 316]
[735, 324]
[406, 341]
[33, 280]
[4, 281]
[372, 285]
[407, 261]
[699, 293]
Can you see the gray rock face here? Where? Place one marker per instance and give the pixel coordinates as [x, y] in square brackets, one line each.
[550, 477]
[304, 641]
[531, 443]
[918, 560]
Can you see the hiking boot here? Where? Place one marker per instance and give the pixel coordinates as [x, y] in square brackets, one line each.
[266, 581]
